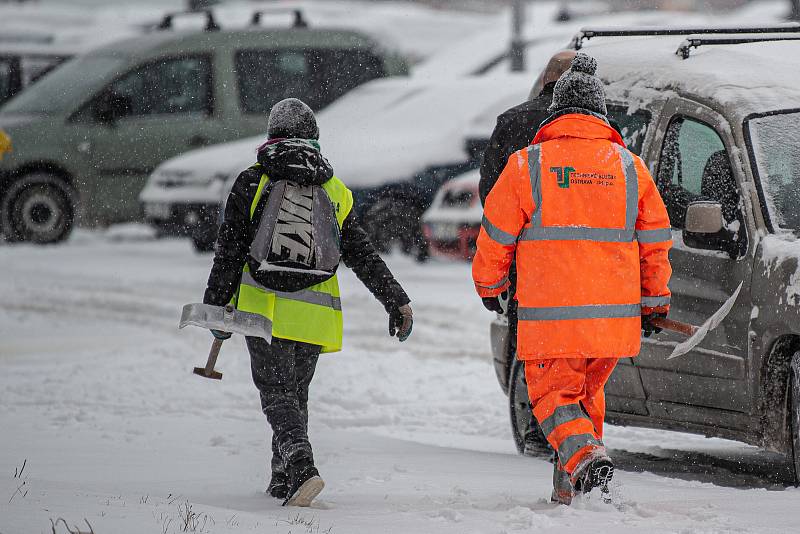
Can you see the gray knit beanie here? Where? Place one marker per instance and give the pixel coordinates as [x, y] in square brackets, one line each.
[292, 118]
[579, 87]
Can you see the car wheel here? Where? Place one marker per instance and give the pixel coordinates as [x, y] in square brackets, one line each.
[528, 437]
[39, 208]
[794, 414]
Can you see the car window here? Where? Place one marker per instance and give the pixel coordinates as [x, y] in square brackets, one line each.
[34, 68]
[176, 85]
[5, 79]
[316, 76]
[694, 165]
[68, 86]
[632, 126]
[339, 71]
[267, 76]
[775, 157]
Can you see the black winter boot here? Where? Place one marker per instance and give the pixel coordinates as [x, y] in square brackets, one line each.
[278, 484]
[596, 471]
[304, 482]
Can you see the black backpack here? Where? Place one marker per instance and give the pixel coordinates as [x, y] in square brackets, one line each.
[298, 242]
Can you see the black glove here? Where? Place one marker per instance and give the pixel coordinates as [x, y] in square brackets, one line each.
[401, 321]
[219, 334]
[493, 303]
[648, 328]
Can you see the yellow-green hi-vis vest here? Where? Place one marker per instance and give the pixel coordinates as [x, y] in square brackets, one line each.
[313, 315]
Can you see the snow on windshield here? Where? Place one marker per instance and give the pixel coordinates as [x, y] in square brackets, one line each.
[777, 158]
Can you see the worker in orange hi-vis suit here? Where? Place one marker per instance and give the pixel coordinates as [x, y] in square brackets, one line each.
[591, 237]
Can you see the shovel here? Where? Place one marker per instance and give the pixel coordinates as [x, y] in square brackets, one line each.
[696, 333]
[226, 319]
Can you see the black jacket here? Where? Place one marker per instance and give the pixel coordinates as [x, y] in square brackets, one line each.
[238, 230]
[515, 130]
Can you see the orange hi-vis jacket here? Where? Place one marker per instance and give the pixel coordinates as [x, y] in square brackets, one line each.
[591, 236]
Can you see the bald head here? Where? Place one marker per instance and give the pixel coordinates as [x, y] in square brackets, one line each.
[557, 66]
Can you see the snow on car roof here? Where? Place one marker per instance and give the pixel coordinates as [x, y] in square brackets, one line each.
[743, 78]
[407, 125]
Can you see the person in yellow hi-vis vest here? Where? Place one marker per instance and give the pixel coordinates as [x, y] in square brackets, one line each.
[306, 322]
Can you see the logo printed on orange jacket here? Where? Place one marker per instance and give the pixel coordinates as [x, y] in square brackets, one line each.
[568, 175]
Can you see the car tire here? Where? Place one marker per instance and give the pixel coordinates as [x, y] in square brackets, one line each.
[528, 437]
[794, 414]
[38, 208]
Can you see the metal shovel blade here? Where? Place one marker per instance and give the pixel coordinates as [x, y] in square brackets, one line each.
[712, 322]
[226, 319]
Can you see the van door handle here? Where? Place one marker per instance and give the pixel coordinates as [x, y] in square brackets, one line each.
[198, 141]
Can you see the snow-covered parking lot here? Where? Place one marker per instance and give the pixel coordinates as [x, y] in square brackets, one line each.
[98, 404]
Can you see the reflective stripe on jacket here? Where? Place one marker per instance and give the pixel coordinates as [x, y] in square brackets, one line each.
[591, 236]
[313, 315]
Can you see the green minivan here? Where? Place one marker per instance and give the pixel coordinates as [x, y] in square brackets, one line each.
[85, 137]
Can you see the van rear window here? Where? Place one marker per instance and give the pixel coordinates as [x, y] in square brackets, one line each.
[632, 126]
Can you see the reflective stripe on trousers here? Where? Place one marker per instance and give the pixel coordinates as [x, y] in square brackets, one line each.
[306, 296]
[573, 444]
[570, 445]
[562, 414]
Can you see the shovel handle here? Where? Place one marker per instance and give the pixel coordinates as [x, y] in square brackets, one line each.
[676, 326]
[212, 356]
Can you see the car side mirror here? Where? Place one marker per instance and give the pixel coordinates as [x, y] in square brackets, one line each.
[704, 228]
[704, 217]
[113, 106]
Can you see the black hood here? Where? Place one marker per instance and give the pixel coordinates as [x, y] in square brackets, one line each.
[296, 160]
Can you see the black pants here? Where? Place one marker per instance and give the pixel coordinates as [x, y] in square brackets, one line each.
[282, 373]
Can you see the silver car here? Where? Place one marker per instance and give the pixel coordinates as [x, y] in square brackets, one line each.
[720, 134]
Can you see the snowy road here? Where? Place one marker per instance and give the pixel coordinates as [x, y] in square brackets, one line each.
[97, 400]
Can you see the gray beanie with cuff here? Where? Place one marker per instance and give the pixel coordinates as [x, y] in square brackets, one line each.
[578, 87]
[292, 118]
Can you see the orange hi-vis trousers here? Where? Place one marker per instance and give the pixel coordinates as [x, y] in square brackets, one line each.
[569, 403]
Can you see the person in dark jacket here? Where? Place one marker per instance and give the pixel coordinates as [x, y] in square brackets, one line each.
[283, 369]
[517, 126]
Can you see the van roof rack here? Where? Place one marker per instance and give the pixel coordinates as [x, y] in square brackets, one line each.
[211, 23]
[298, 21]
[696, 41]
[592, 32]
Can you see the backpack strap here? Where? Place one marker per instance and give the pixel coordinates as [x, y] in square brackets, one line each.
[260, 191]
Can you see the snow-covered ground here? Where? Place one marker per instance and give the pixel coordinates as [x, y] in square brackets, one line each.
[98, 403]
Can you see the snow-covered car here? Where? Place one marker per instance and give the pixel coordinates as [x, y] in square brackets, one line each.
[452, 223]
[396, 151]
[394, 141]
[724, 136]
